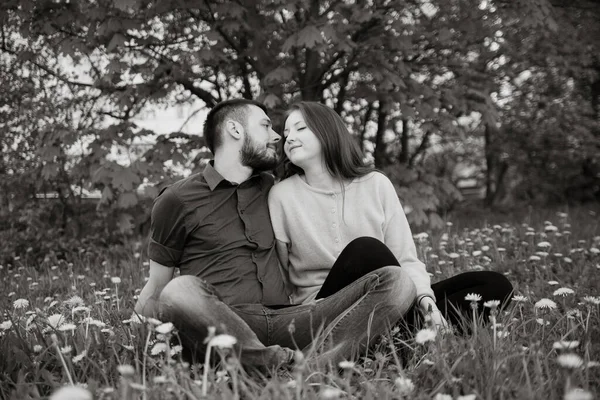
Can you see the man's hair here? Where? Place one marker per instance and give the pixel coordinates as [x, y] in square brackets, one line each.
[235, 109]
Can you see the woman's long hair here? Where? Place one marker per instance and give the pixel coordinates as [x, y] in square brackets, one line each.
[341, 154]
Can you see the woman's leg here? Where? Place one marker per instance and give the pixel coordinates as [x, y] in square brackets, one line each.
[360, 257]
[450, 294]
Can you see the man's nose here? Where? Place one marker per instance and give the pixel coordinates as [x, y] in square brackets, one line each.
[275, 137]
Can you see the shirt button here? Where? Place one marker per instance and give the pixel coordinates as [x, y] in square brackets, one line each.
[241, 211]
[337, 240]
[333, 210]
[334, 225]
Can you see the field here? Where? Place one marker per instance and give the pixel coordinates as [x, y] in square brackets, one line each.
[68, 322]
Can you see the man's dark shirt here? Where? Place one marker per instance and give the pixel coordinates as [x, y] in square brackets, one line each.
[221, 232]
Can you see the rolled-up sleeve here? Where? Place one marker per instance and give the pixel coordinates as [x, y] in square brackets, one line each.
[167, 230]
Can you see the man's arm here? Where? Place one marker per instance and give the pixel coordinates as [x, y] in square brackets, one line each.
[160, 275]
[283, 255]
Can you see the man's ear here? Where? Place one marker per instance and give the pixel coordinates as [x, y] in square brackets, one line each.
[234, 129]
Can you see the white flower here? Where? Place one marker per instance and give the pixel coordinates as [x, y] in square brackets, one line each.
[79, 357]
[453, 255]
[222, 341]
[74, 301]
[592, 300]
[37, 348]
[473, 297]
[534, 258]
[485, 248]
[404, 385]
[81, 309]
[6, 325]
[346, 364]
[467, 397]
[72, 393]
[550, 228]
[570, 360]
[66, 350]
[552, 283]
[592, 364]
[174, 350]
[442, 396]
[116, 280]
[545, 303]
[594, 250]
[159, 379]
[331, 393]
[544, 244]
[67, 327]
[542, 322]
[519, 298]
[502, 334]
[425, 335]
[153, 321]
[578, 394]
[563, 291]
[21, 303]
[165, 328]
[476, 253]
[567, 260]
[126, 370]
[565, 344]
[158, 348]
[56, 320]
[493, 304]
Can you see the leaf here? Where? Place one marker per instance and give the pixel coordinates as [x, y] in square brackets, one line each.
[271, 100]
[125, 223]
[118, 40]
[126, 5]
[279, 75]
[127, 199]
[308, 37]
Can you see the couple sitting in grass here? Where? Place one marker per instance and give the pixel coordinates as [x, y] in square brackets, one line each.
[327, 252]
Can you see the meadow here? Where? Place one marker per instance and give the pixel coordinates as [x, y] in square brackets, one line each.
[67, 323]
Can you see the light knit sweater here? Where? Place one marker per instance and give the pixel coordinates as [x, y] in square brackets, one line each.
[316, 228]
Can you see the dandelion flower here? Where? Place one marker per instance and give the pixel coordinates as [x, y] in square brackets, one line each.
[565, 344]
[563, 291]
[592, 364]
[545, 303]
[6, 325]
[544, 244]
[158, 348]
[331, 393]
[66, 350]
[473, 297]
[72, 393]
[116, 280]
[346, 365]
[592, 300]
[126, 370]
[578, 394]
[165, 328]
[534, 258]
[502, 334]
[467, 397]
[159, 379]
[37, 348]
[174, 350]
[570, 360]
[519, 298]
[594, 250]
[442, 396]
[493, 304]
[79, 357]
[404, 385]
[21, 303]
[542, 322]
[425, 335]
[67, 327]
[56, 320]
[222, 341]
[81, 309]
[550, 228]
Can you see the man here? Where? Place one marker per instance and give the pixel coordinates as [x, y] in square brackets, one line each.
[215, 227]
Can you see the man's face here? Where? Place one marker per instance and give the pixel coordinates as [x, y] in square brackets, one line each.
[259, 150]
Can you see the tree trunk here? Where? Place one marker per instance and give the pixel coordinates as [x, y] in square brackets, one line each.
[490, 187]
[404, 136]
[379, 153]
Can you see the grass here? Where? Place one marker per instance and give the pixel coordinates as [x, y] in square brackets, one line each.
[67, 322]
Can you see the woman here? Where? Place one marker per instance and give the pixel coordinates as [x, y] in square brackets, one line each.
[335, 220]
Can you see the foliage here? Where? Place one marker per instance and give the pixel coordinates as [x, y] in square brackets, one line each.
[521, 362]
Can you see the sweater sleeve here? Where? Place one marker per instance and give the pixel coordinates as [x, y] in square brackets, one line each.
[276, 201]
[398, 237]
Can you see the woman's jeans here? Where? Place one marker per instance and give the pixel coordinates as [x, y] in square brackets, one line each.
[365, 254]
[340, 325]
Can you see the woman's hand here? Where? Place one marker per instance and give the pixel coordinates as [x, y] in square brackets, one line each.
[428, 308]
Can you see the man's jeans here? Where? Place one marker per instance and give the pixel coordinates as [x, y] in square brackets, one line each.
[345, 322]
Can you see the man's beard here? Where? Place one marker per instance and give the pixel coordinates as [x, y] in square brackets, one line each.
[258, 160]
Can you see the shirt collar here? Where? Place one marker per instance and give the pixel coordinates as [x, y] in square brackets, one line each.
[213, 177]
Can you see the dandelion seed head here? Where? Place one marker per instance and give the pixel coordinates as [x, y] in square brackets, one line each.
[74, 301]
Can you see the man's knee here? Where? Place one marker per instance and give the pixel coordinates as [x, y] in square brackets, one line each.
[401, 284]
[180, 290]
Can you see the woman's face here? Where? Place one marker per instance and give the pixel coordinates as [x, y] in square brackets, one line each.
[302, 146]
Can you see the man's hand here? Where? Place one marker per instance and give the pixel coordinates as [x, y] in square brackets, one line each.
[429, 308]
